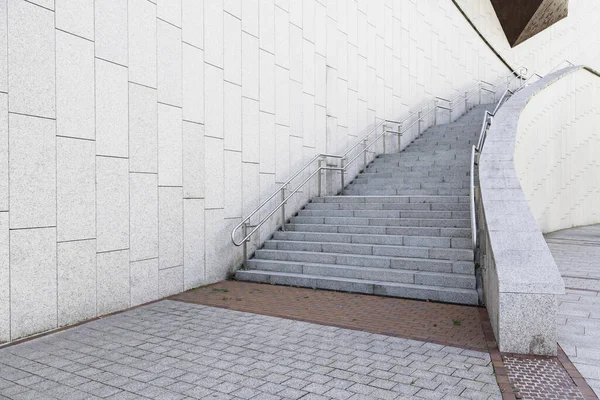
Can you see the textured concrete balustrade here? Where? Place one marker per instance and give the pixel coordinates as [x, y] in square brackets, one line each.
[536, 172]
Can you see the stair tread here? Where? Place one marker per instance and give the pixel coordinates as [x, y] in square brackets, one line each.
[373, 282]
[376, 235]
[364, 255]
[355, 267]
[366, 244]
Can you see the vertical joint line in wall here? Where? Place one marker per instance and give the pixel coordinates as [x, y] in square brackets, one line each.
[55, 169]
[182, 159]
[128, 155]
[157, 155]
[8, 177]
[96, 171]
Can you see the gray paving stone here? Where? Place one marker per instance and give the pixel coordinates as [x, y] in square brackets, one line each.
[272, 358]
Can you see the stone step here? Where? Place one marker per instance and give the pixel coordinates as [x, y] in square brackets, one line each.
[392, 184]
[432, 162]
[389, 206]
[362, 260]
[464, 281]
[380, 239]
[381, 230]
[391, 199]
[376, 180]
[385, 214]
[400, 178]
[431, 169]
[423, 153]
[417, 175]
[434, 253]
[432, 140]
[420, 222]
[381, 288]
[407, 192]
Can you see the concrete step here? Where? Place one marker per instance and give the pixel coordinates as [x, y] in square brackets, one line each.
[431, 162]
[364, 179]
[420, 222]
[434, 253]
[389, 206]
[392, 184]
[406, 192]
[391, 199]
[382, 230]
[424, 153]
[385, 214]
[464, 281]
[396, 240]
[362, 260]
[416, 175]
[430, 169]
[381, 288]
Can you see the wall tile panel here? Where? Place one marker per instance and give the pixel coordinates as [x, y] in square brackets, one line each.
[32, 171]
[75, 189]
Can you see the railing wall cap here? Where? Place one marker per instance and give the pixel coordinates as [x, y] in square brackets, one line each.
[521, 256]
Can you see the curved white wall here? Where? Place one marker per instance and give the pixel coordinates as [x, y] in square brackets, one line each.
[575, 38]
[557, 152]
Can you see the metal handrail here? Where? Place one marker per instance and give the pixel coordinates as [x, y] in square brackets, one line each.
[472, 200]
[559, 64]
[476, 150]
[424, 111]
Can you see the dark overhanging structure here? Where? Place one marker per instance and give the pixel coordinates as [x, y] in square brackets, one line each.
[522, 19]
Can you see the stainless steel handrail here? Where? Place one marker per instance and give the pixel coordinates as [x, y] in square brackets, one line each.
[561, 63]
[472, 200]
[424, 111]
[476, 150]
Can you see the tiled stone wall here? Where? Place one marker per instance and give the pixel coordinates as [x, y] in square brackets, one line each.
[134, 134]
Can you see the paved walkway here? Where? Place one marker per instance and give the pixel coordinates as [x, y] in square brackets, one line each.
[176, 350]
[577, 253]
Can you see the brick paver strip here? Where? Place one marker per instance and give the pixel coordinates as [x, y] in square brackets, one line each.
[446, 324]
[540, 378]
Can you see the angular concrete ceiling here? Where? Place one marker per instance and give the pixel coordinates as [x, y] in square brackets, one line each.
[522, 19]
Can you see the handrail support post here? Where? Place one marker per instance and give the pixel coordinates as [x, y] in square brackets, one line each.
[399, 137]
[435, 108]
[245, 245]
[466, 100]
[283, 188]
[450, 114]
[319, 177]
[342, 171]
[419, 121]
[365, 142]
[480, 93]
[384, 135]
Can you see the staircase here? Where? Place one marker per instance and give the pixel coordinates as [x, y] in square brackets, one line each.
[402, 227]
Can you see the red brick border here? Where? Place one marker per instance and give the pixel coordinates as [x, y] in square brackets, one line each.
[581, 383]
[509, 392]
